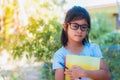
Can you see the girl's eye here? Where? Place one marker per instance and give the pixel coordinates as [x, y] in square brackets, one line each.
[84, 26]
[75, 26]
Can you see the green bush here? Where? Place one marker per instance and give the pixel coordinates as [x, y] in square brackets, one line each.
[111, 50]
[101, 25]
[41, 37]
[44, 43]
[109, 41]
[47, 72]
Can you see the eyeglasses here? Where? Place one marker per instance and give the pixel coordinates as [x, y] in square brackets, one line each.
[75, 26]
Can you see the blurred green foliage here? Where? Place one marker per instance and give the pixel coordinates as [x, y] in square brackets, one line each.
[45, 42]
[101, 26]
[111, 50]
[48, 73]
[40, 38]
[103, 33]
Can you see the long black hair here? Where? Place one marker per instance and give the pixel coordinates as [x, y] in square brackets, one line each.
[75, 13]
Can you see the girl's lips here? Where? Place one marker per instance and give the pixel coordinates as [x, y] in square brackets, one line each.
[79, 35]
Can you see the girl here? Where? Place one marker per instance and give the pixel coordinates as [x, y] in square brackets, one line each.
[75, 40]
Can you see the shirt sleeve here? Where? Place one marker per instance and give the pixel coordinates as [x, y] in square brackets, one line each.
[97, 52]
[57, 59]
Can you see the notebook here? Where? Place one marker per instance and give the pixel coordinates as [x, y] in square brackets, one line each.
[85, 62]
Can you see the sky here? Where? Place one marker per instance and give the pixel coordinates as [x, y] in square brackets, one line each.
[88, 3]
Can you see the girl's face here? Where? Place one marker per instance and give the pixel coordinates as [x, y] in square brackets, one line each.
[77, 30]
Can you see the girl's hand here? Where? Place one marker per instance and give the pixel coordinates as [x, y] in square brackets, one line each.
[69, 73]
[75, 72]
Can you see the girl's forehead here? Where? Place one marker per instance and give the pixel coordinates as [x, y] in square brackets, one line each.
[81, 21]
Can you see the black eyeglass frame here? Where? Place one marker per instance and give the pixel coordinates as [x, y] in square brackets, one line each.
[82, 27]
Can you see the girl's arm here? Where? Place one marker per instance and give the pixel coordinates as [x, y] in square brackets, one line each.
[59, 74]
[102, 74]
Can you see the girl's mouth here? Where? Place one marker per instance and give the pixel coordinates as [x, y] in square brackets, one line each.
[79, 35]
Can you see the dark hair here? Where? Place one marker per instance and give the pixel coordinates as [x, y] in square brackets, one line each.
[75, 13]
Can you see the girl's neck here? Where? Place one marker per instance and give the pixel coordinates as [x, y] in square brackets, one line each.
[74, 44]
[74, 48]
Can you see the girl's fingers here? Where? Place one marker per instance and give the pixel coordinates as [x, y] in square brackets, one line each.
[66, 71]
[69, 73]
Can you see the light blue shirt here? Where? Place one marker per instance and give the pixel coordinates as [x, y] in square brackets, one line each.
[90, 49]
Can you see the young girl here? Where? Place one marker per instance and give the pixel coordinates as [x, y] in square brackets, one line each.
[75, 41]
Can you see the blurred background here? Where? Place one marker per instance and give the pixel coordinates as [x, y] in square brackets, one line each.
[30, 34]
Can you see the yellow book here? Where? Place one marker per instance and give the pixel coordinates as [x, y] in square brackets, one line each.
[85, 62]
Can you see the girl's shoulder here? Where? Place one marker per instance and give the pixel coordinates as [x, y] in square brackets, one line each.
[60, 51]
[91, 45]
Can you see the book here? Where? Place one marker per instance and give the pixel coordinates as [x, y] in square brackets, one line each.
[85, 62]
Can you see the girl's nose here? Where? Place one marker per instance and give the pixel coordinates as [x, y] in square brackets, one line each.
[79, 30]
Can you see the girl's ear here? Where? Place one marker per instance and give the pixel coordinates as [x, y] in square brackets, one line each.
[65, 26]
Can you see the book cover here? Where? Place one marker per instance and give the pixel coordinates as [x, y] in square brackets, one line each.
[85, 62]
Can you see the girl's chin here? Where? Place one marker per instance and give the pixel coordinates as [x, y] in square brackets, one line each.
[78, 40]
